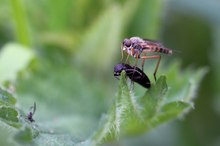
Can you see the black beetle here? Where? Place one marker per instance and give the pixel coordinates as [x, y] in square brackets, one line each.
[134, 73]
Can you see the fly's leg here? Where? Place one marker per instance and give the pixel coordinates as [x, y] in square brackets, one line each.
[136, 56]
[132, 52]
[152, 57]
[142, 64]
[136, 62]
[143, 61]
[127, 59]
[122, 54]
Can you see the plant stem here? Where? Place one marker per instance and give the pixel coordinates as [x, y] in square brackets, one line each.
[20, 20]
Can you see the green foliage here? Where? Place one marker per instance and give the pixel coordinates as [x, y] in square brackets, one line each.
[13, 58]
[131, 115]
[6, 98]
[20, 21]
[128, 115]
[69, 75]
[8, 112]
[24, 135]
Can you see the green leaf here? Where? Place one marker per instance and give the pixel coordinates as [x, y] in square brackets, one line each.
[147, 16]
[101, 41]
[183, 84]
[24, 136]
[8, 114]
[58, 139]
[113, 119]
[13, 58]
[70, 100]
[131, 115]
[128, 115]
[6, 135]
[20, 21]
[6, 98]
[152, 99]
[170, 111]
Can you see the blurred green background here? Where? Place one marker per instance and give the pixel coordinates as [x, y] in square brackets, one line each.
[76, 44]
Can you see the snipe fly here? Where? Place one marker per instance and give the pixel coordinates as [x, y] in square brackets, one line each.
[138, 48]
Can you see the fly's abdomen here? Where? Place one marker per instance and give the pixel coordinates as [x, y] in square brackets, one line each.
[163, 50]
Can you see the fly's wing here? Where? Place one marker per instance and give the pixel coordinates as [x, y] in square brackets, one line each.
[151, 43]
[154, 41]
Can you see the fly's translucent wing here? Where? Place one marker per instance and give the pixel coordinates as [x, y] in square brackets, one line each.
[151, 43]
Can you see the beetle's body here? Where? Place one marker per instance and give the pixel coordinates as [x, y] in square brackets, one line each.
[134, 73]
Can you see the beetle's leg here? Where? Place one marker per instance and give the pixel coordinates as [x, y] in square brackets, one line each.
[158, 62]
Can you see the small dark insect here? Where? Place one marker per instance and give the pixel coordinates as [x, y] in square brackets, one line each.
[134, 73]
[31, 114]
[138, 48]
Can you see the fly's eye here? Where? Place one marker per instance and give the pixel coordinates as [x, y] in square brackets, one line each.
[127, 42]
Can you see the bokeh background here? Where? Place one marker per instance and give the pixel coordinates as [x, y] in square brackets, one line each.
[77, 43]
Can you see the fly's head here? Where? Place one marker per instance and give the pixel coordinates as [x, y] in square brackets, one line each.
[132, 47]
[127, 46]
